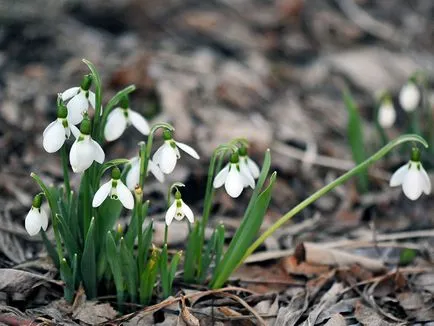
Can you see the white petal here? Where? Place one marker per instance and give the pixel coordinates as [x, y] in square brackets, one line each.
[70, 92]
[253, 167]
[115, 125]
[91, 99]
[426, 182]
[75, 131]
[234, 183]
[49, 126]
[138, 122]
[157, 155]
[76, 107]
[170, 214]
[98, 154]
[412, 184]
[33, 222]
[220, 178]
[125, 195]
[189, 150]
[398, 176]
[155, 171]
[168, 159]
[44, 220]
[386, 115]
[187, 212]
[246, 176]
[101, 194]
[409, 97]
[68, 130]
[81, 155]
[133, 174]
[54, 137]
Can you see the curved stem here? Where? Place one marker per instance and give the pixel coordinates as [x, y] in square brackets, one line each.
[64, 156]
[378, 155]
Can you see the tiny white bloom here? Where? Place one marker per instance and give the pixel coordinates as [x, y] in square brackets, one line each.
[247, 165]
[79, 100]
[234, 178]
[57, 132]
[386, 114]
[167, 155]
[409, 96]
[133, 175]
[84, 150]
[178, 210]
[36, 218]
[116, 189]
[413, 178]
[119, 119]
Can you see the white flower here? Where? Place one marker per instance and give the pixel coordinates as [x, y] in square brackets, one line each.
[55, 134]
[409, 96]
[413, 178]
[178, 210]
[119, 119]
[36, 218]
[168, 153]
[247, 165]
[116, 189]
[386, 114]
[234, 178]
[79, 100]
[133, 175]
[84, 150]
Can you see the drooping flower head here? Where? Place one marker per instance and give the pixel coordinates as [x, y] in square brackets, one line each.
[116, 190]
[84, 150]
[386, 113]
[36, 218]
[233, 177]
[133, 175]
[413, 177]
[178, 210]
[58, 131]
[409, 96]
[120, 118]
[167, 155]
[79, 99]
[247, 164]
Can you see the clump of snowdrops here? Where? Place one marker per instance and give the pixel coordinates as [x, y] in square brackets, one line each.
[90, 250]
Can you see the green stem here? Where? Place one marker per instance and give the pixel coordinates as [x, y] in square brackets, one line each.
[64, 156]
[86, 203]
[285, 218]
[139, 213]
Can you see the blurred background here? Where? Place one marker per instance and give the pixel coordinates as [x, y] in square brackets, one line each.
[270, 71]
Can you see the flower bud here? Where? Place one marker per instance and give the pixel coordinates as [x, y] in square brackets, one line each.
[86, 82]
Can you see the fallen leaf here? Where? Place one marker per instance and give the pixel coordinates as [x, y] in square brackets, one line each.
[336, 320]
[368, 316]
[293, 266]
[17, 281]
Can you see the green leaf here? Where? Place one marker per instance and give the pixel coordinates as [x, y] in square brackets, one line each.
[191, 253]
[96, 80]
[113, 258]
[148, 277]
[133, 227]
[50, 249]
[144, 247]
[88, 264]
[355, 137]
[173, 268]
[407, 256]
[69, 241]
[164, 272]
[67, 277]
[244, 236]
[109, 211]
[129, 268]
[75, 270]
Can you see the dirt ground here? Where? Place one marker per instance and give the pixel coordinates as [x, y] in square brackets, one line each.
[271, 71]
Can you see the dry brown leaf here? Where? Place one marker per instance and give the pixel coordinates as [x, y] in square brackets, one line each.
[336, 320]
[94, 313]
[17, 281]
[292, 266]
[317, 254]
[368, 316]
[187, 316]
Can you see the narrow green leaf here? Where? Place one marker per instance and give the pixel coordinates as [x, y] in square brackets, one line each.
[243, 237]
[50, 249]
[145, 246]
[207, 257]
[75, 270]
[173, 268]
[191, 253]
[407, 256]
[67, 277]
[355, 137]
[88, 264]
[109, 211]
[148, 277]
[129, 268]
[113, 258]
[164, 272]
[132, 232]
[69, 241]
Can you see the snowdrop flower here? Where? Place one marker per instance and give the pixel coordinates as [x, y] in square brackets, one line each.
[413, 177]
[116, 189]
[233, 177]
[84, 150]
[178, 210]
[57, 132]
[120, 118]
[386, 113]
[36, 218]
[79, 100]
[409, 96]
[167, 155]
[247, 165]
[133, 175]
